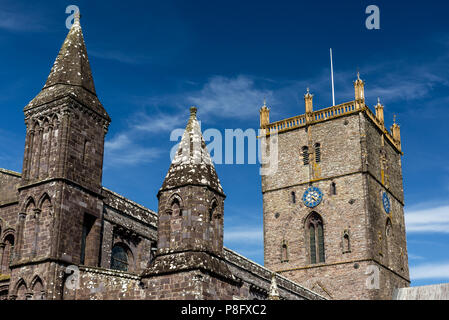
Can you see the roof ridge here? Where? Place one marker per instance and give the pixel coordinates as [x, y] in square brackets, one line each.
[14, 173]
[130, 201]
[268, 270]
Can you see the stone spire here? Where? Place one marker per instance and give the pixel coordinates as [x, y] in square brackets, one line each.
[72, 64]
[192, 164]
[71, 74]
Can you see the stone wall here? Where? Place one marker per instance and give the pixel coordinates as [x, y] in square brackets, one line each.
[102, 284]
[9, 182]
[256, 280]
[128, 223]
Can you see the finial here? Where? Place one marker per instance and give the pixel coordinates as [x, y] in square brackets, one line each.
[264, 101]
[308, 90]
[358, 75]
[378, 100]
[193, 111]
[274, 292]
[394, 118]
[76, 19]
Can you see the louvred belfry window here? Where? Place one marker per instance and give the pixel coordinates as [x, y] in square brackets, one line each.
[317, 153]
[305, 155]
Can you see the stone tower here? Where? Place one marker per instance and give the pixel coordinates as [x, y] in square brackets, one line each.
[333, 210]
[190, 226]
[60, 193]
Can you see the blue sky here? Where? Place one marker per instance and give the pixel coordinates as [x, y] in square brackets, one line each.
[151, 60]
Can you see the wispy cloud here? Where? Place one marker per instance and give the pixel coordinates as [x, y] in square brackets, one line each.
[119, 56]
[121, 150]
[21, 21]
[238, 235]
[412, 256]
[158, 123]
[230, 98]
[430, 271]
[434, 220]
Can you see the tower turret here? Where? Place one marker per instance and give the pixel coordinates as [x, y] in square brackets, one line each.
[190, 225]
[191, 198]
[60, 196]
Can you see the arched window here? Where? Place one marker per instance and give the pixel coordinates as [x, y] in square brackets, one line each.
[317, 152]
[7, 254]
[212, 210]
[38, 289]
[314, 227]
[333, 188]
[22, 292]
[175, 208]
[119, 258]
[305, 155]
[293, 194]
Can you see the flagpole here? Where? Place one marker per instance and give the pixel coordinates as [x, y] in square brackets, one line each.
[332, 77]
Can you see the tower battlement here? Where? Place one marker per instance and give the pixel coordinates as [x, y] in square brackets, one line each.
[311, 117]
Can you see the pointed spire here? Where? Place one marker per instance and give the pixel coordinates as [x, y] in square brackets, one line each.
[72, 66]
[77, 18]
[192, 164]
[71, 74]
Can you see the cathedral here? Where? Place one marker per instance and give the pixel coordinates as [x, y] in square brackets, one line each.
[332, 211]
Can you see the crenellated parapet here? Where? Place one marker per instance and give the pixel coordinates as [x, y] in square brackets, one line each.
[357, 105]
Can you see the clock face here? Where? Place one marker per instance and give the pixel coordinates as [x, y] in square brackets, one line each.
[386, 202]
[312, 197]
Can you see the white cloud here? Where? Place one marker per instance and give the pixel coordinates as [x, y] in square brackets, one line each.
[123, 57]
[243, 235]
[159, 123]
[20, 21]
[434, 220]
[412, 256]
[117, 143]
[121, 151]
[229, 97]
[430, 271]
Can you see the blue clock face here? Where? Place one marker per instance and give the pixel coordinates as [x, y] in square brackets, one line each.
[312, 197]
[386, 202]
